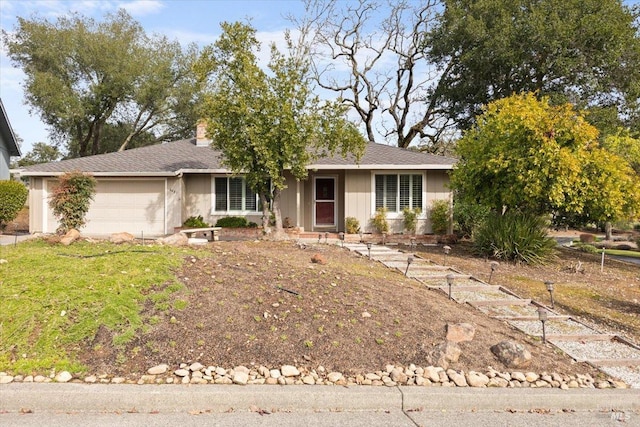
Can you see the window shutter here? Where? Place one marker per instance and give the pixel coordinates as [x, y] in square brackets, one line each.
[405, 191]
[250, 198]
[417, 192]
[379, 191]
[235, 193]
[391, 193]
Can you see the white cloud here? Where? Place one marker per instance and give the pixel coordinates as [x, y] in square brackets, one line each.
[142, 7]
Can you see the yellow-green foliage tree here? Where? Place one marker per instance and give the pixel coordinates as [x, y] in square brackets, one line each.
[526, 154]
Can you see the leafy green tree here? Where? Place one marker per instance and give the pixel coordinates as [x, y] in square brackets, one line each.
[40, 153]
[527, 155]
[586, 52]
[71, 199]
[83, 75]
[269, 123]
[13, 196]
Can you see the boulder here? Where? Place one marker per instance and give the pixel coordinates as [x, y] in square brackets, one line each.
[177, 239]
[64, 377]
[443, 354]
[318, 259]
[512, 354]
[289, 371]
[123, 237]
[158, 369]
[460, 332]
[71, 236]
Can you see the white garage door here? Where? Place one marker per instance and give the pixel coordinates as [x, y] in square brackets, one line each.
[134, 206]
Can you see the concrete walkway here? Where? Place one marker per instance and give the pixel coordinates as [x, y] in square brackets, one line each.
[612, 354]
[11, 239]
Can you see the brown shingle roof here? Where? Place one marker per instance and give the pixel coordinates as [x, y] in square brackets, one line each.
[182, 156]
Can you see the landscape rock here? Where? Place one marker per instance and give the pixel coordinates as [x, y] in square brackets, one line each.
[197, 366]
[71, 236]
[177, 239]
[158, 370]
[63, 377]
[240, 377]
[460, 332]
[432, 373]
[397, 375]
[457, 378]
[334, 376]
[289, 371]
[512, 354]
[443, 354]
[318, 259]
[6, 379]
[181, 372]
[476, 379]
[124, 237]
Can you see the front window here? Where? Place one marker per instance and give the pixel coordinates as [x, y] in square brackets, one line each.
[233, 194]
[396, 192]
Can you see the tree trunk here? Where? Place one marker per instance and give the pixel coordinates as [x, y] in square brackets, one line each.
[607, 230]
[266, 227]
[278, 233]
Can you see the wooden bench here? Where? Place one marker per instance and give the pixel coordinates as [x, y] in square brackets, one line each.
[191, 232]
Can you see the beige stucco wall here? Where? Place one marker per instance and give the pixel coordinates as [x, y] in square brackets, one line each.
[358, 197]
[437, 189]
[196, 197]
[197, 200]
[289, 200]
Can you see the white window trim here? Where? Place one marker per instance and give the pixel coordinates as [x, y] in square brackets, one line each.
[230, 212]
[398, 215]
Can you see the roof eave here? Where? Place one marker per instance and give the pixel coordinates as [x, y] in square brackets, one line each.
[7, 133]
[381, 167]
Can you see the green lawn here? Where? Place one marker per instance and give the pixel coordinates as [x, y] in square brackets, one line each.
[630, 254]
[54, 297]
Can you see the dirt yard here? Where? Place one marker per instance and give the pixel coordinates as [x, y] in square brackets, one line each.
[267, 303]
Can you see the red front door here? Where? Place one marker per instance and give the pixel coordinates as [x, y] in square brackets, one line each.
[325, 202]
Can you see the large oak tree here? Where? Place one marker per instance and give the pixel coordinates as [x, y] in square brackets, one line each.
[83, 76]
[586, 52]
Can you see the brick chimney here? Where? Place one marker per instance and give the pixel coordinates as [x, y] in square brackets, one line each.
[201, 135]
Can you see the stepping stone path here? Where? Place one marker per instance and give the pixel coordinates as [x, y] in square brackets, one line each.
[610, 353]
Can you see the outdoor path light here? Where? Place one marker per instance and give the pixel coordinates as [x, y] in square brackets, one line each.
[412, 243]
[494, 265]
[341, 236]
[409, 261]
[549, 285]
[326, 237]
[360, 233]
[369, 249]
[384, 237]
[319, 237]
[543, 315]
[450, 282]
[446, 249]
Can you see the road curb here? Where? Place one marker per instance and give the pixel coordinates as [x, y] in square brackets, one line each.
[224, 398]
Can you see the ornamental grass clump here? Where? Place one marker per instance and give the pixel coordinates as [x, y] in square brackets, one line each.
[515, 237]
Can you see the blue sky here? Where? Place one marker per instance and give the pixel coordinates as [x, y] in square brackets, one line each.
[185, 20]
